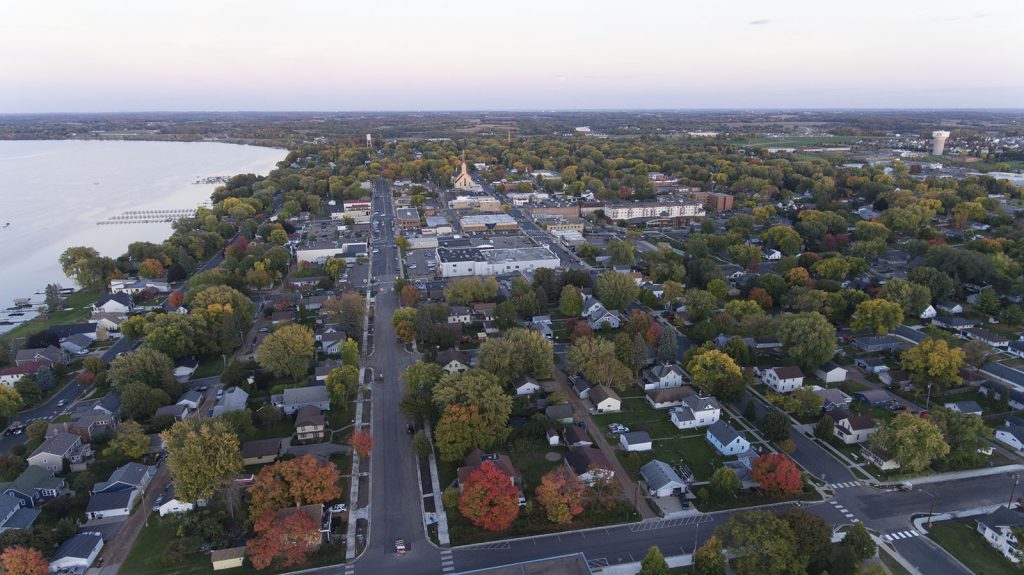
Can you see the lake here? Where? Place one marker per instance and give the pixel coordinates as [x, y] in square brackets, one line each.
[53, 193]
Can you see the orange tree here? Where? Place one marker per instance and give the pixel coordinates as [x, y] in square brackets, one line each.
[291, 540]
[561, 494]
[361, 441]
[489, 498]
[777, 474]
[17, 560]
[296, 482]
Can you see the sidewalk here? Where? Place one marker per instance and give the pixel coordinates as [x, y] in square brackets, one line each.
[954, 475]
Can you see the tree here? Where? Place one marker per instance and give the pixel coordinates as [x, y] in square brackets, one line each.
[965, 433]
[616, 289]
[784, 238]
[361, 441]
[53, 297]
[877, 315]
[653, 563]
[140, 401]
[350, 352]
[761, 297]
[859, 541]
[341, 382]
[596, 359]
[421, 445]
[489, 498]
[151, 269]
[912, 298]
[561, 494]
[777, 474]
[709, 559]
[774, 426]
[913, 441]
[813, 537]
[976, 353]
[466, 290]
[723, 483]
[668, 346]
[278, 237]
[570, 303]
[505, 315]
[202, 454]
[762, 543]
[129, 442]
[349, 310]
[301, 481]
[825, 428]
[520, 352]
[700, 304]
[621, 252]
[988, 301]
[29, 390]
[409, 295]
[290, 540]
[717, 374]
[808, 339]
[11, 467]
[940, 285]
[933, 362]
[17, 560]
[741, 308]
[10, 402]
[146, 366]
[422, 376]
[460, 429]
[483, 391]
[287, 352]
[87, 267]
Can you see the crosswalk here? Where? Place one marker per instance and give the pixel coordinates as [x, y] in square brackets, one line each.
[846, 512]
[897, 535]
[845, 484]
[350, 569]
[447, 563]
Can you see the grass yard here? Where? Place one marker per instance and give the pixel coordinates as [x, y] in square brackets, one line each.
[967, 545]
[638, 415]
[209, 366]
[77, 308]
[690, 446]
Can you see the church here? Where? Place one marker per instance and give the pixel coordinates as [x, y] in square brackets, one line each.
[463, 181]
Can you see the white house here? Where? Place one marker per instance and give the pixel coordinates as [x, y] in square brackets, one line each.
[661, 479]
[929, 312]
[171, 504]
[773, 255]
[997, 528]
[191, 399]
[783, 379]
[114, 303]
[588, 464]
[527, 386]
[967, 407]
[111, 503]
[185, 368]
[605, 399]
[831, 372]
[662, 376]
[1012, 434]
[295, 398]
[590, 305]
[602, 318]
[636, 441]
[851, 428]
[77, 554]
[726, 440]
[553, 438]
[1016, 348]
[460, 314]
[696, 412]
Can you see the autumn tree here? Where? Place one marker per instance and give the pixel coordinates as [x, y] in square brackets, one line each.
[202, 455]
[653, 563]
[176, 299]
[301, 481]
[761, 297]
[287, 352]
[466, 290]
[483, 391]
[519, 352]
[911, 297]
[460, 429]
[18, 560]
[130, 442]
[289, 541]
[717, 374]
[808, 339]
[561, 494]
[595, 358]
[877, 315]
[341, 382]
[361, 441]
[151, 269]
[761, 543]
[570, 303]
[489, 498]
[709, 559]
[913, 441]
[777, 474]
[616, 289]
[349, 311]
[409, 295]
[933, 362]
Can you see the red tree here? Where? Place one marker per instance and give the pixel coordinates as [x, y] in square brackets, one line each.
[761, 297]
[561, 494]
[489, 499]
[361, 441]
[176, 299]
[580, 329]
[17, 560]
[777, 474]
[410, 295]
[291, 540]
[299, 481]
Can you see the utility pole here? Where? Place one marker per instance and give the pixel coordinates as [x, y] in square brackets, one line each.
[931, 510]
[1016, 480]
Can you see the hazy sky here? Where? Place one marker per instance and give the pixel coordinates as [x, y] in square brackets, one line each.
[138, 55]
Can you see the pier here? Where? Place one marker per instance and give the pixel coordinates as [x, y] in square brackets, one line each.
[149, 216]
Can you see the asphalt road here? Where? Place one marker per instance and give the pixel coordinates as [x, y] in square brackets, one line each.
[817, 460]
[69, 393]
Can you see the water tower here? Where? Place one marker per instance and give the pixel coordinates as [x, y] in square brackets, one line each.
[939, 142]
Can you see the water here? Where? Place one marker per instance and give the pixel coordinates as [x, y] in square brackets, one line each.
[54, 192]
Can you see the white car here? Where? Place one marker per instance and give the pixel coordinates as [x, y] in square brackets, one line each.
[338, 508]
[376, 250]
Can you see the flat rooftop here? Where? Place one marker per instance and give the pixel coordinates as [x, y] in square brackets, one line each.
[485, 219]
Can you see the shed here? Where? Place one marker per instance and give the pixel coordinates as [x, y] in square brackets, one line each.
[227, 558]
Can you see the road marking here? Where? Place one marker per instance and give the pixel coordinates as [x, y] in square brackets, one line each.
[844, 484]
[652, 524]
[350, 569]
[897, 535]
[494, 545]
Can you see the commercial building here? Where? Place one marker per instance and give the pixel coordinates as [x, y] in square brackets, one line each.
[324, 239]
[488, 223]
[713, 201]
[551, 208]
[481, 203]
[407, 218]
[473, 261]
[656, 210]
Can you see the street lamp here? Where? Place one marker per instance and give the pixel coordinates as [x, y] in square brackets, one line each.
[928, 399]
[1016, 480]
[931, 510]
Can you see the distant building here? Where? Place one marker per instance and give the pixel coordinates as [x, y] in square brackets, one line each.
[463, 181]
[644, 210]
[456, 262]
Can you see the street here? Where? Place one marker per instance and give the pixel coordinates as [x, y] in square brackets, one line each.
[46, 410]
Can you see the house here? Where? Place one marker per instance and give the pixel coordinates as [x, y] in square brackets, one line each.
[77, 344]
[878, 343]
[875, 397]
[260, 451]
[671, 397]
[544, 319]
[526, 385]
[544, 329]
[77, 554]
[108, 321]
[955, 323]
[310, 424]
[11, 375]
[581, 386]
[929, 312]
[726, 440]
[662, 376]
[185, 368]
[171, 504]
[330, 343]
[773, 255]
[986, 336]
[1012, 434]
[851, 428]
[55, 450]
[661, 480]
[951, 308]
[111, 503]
[879, 458]
[636, 441]
[14, 514]
[967, 407]
[590, 306]
[589, 464]
[605, 399]
[899, 377]
[114, 303]
[50, 354]
[1016, 348]
[127, 477]
[871, 365]
[561, 412]
[477, 457]
[228, 558]
[831, 372]
[998, 528]
[833, 398]
[233, 399]
[553, 439]
[783, 379]
[178, 412]
[460, 314]
[191, 399]
[484, 310]
[87, 424]
[696, 411]
[110, 404]
[324, 369]
[576, 436]
[34, 485]
[602, 318]
[453, 361]
[295, 398]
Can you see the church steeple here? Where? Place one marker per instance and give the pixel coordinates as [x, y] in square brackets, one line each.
[464, 170]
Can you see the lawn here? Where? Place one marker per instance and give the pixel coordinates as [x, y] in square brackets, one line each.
[77, 308]
[750, 498]
[963, 542]
[638, 415]
[209, 366]
[891, 563]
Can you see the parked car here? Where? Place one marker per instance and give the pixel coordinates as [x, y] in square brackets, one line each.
[338, 508]
[618, 428]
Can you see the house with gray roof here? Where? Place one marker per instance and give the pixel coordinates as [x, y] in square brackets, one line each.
[233, 399]
[14, 514]
[726, 440]
[128, 476]
[879, 343]
[295, 398]
[77, 554]
[57, 449]
[967, 407]
[111, 503]
[76, 344]
[696, 411]
[998, 530]
[661, 376]
[661, 479]
[33, 486]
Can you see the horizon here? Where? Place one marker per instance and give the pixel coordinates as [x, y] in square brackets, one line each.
[747, 110]
[112, 56]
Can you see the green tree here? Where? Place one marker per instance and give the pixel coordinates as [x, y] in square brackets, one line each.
[745, 255]
[422, 376]
[653, 563]
[520, 352]
[460, 429]
[505, 315]
[616, 290]
[723, 483]
[913, 441]
[784, 238]
[912, 298]
[129, 442]
[742, 308]
[287, 352]
[762, 544]
[10, 402]
[202, 455]
[570, 304]
[717, 374]
[813, 537]
[146, 366]
[53, 298]
[825, 428]
[965, 433]
[859, 541]
[483, 391]
[877, 315]
[467, 290]
[808, 339]
[350, 352]
[87, 267]
[595, 358]
[668, 346]
[621, 253]
[988, 301]
[939, 284]
[934, 362]
[29, 390]
[341, 382]
[141, 401]
[278, 237]
[709, 559]
[774, 426]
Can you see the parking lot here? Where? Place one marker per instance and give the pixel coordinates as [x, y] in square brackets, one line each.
[418, 263]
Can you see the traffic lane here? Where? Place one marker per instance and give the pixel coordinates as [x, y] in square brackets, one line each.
[928, 557]
[892, 509]
[47, 410]
[817, 459]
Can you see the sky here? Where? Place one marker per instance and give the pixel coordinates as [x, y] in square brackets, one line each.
[341, 55]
